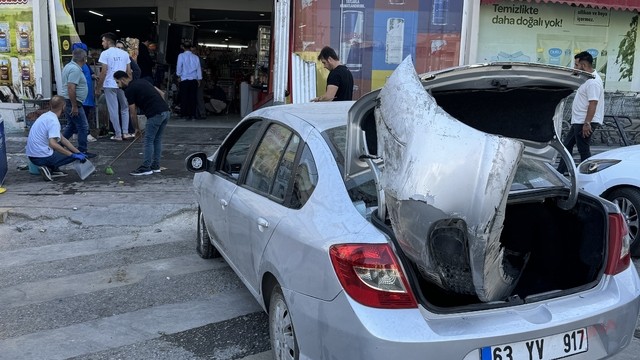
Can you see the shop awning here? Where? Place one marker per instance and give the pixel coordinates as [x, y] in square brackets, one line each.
[633, 5]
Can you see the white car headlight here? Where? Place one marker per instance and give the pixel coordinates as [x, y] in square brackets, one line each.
[595, 165]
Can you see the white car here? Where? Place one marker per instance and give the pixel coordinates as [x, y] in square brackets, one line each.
[615, 176]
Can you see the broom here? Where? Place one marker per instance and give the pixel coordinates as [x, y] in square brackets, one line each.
[108, 170]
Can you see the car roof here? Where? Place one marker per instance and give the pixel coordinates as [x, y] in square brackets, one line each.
[321, 115]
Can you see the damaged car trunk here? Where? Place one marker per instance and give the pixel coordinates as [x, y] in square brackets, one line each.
[465, 185]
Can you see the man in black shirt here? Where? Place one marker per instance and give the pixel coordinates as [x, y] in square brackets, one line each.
[145, 62]
[340, 80]
[148, 98]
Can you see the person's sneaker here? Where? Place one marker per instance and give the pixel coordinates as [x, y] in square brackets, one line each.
[91, 138]
[55, 174]
[89, 155]
[127, 136]
[44, 171]
[156, 169]
[141, 171]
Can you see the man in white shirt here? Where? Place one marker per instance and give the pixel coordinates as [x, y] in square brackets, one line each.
[190, 75]
[46, 148]
[587, 111]
[113, 59]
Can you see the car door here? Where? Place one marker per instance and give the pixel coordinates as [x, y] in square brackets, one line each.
[217, 188]
[257, 206]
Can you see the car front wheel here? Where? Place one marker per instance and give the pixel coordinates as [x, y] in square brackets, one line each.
[204, 247]
[628, 200]
[281, 332]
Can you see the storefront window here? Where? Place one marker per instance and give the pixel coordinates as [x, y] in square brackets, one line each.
[373, 36]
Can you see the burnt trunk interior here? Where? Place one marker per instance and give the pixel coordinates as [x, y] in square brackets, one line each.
[566, 253]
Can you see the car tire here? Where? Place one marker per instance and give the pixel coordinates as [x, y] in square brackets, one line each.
[205, 249]
[628, 200]
[283, 337]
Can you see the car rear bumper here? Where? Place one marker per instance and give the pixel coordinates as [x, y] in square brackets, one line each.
[344, 329]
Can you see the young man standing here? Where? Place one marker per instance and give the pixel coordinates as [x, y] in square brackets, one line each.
[46, 148]
[112, 60]
[587, 111]
[146, 97]
[340, 80]
[190, 74]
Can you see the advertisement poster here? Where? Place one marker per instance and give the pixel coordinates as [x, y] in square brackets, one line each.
[63, 35]
[372, 37]
[554, 33]
[17, 78]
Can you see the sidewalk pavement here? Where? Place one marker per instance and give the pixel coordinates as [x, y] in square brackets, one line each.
[180, 139]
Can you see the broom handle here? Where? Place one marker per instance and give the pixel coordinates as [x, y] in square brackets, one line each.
[123, 151]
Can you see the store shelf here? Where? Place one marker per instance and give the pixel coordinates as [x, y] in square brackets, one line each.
[33, 108]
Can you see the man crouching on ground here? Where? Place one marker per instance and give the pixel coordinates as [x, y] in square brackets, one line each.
[46, 148]
[148, 99]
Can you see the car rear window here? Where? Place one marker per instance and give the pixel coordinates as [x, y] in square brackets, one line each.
[337, 140]
[535, 174]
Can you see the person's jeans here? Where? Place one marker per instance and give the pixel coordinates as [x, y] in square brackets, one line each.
[153, 139]
[53, 162]
[574, 137]
[76, 124]
[117, 105]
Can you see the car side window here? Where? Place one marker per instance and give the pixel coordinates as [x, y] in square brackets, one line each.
[285, 168]
[305, 179]
[236, 155]
[266, 161]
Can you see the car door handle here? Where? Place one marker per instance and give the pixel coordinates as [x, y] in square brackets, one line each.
[263, 224]
[224, 203]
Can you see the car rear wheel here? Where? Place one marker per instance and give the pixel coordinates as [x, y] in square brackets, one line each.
[204, 247]
[281, 332]
[628, 200]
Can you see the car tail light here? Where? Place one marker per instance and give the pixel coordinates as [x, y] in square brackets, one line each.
[371, 275]
[619, 257]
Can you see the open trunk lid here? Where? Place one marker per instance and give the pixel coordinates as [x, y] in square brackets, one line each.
[445, 176]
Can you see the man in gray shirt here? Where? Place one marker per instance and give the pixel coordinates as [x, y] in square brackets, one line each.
[74, 91]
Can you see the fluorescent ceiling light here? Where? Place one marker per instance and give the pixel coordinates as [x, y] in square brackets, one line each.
[108, 19]
[95, 13]
[153, 13]
[224, 45]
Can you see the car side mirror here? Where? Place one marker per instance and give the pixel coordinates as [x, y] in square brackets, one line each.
[197, 162]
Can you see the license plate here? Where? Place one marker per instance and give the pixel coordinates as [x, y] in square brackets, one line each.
[544, 348]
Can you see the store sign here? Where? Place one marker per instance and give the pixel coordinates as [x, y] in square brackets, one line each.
[591, 17]
[554, 33]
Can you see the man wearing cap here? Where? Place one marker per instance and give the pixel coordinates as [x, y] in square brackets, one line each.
[74, 91]
[190, 74]
[89, 103]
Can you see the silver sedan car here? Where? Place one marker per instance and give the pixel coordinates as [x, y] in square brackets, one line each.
[307, 206]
